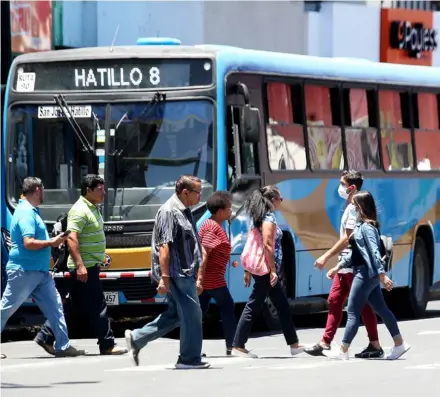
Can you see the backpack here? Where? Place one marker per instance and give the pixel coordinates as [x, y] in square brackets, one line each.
[60, 254]
[252, 258]
[386, 251]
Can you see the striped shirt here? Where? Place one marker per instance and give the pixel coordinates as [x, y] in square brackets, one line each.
[85, 219]
[213, 237]
[174, 225]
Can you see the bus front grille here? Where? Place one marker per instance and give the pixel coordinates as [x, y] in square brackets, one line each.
[128, 240]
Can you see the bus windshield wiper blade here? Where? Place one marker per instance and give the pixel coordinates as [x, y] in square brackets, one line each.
[61, 102]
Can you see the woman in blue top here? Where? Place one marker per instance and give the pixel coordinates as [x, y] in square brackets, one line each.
[260, 207]
[369, 272]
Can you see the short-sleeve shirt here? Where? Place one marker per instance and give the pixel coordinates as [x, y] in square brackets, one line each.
[278, 251]
[213, 236]
[26, 222]
[349, 220]
[174, 225]
[85, 219]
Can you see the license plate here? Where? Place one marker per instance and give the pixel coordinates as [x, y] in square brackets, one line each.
[111, 298]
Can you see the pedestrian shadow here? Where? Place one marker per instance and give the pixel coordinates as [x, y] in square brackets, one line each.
[58, 358]
[275, 358]
[7, 385]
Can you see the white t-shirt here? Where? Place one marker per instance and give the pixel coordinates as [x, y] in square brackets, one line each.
[349, 219]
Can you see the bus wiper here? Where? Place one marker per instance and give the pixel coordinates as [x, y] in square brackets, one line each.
[157, 98]
[61, 102]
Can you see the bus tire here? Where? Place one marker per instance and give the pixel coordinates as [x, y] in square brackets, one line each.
[417, 296]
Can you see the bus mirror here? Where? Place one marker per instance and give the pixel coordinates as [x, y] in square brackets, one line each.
[250, 124]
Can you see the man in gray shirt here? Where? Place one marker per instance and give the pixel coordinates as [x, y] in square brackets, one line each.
[176, 258]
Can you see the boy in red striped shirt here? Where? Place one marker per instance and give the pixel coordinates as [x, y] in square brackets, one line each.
[216, 250]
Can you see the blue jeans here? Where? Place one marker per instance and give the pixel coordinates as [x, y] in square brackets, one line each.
[184, 310]
[225, 302]
[365, 289]
[41, 287]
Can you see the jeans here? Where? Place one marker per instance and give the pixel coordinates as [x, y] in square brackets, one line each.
[88, 298]
[260, 292]
[184, 310]
[365, 289]
[41, 287]
[225, 302]
[339, 293]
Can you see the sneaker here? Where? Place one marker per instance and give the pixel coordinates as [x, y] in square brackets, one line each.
[336, 354]
[398, 351]
[114, 351]
[133, 351]
[316, 350]
[46, 346]
[296, 350]
[199, 365]
[243, 353]
[370, 352]
[70, 352]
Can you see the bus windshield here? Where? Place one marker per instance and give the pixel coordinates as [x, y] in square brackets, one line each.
[149, 146]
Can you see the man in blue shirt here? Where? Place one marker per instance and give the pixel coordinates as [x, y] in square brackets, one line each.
[28, 268]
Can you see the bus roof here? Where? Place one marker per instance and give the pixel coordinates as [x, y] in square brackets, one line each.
[231, 59]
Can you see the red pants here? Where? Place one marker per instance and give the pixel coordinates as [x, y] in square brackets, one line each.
[338, 295]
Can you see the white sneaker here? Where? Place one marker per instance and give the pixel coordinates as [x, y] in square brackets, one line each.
[398, 351]
[296, 350]
[243, 353]
[336, 354]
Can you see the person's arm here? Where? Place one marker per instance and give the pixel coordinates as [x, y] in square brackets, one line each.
[27, 226]
[75, 223]
[371, 237]
[268, 231]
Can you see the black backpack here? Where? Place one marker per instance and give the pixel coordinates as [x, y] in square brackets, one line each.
[60, 254]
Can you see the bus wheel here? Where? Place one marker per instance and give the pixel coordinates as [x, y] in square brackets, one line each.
[417, 295]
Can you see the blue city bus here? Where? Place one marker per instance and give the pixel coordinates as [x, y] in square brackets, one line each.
[239, 119]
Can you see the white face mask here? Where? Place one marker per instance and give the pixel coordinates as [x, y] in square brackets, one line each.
[342, 191]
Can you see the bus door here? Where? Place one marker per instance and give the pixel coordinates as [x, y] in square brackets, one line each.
[242, 130]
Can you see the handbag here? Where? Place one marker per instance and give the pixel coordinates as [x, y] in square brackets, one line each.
[253, 258]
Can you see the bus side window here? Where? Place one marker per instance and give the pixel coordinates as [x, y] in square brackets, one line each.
[284, 127]
[427, 135]
[323, 115]
[361, 136]
[395, 130]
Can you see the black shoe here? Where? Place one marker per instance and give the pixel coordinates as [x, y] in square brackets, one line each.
[370, 352]
[316, 350]
[199, 365]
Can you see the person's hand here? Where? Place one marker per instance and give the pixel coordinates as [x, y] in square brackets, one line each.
[81, 273]
[320, 262]
[58, 240]
[164, 285]
[247, 279]
[332, 272]
[386, 282]
[199, 286]
[273, 278]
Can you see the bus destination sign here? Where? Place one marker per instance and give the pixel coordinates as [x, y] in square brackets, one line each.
[105, 74]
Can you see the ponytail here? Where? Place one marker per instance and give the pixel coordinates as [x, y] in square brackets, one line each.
[259, 204]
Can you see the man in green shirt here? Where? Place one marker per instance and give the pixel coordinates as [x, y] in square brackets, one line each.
[86, 244]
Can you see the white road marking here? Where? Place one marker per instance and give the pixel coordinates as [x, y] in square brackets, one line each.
[425, 366]
[316, 364]
[429, 333]
[162, 367]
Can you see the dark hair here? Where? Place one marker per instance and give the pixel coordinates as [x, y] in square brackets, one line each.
[90, 181]
[364, 202]
[186, 182]
[30, 185]
[353, 177]
[218, 201]
[260, 203]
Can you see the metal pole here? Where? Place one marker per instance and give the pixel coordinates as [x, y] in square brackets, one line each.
[6, 56]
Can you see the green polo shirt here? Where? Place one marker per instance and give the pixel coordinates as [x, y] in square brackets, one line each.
[85, 219]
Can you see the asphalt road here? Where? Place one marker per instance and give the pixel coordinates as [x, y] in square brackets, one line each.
[28, 369]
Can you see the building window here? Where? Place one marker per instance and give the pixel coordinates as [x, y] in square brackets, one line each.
[284, 128]
[323, 115]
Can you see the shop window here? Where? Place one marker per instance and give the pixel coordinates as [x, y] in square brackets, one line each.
[397, 152]
[323, 115]
[361, 136]
[427, 135]
[284, 127]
